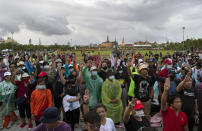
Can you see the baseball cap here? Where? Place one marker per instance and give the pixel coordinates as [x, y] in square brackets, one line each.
[21, 63]
[150, 60]
[142, 66]
[7, 74]
[138, 105]
[42, 74]
[25, 75]
[168, 61]
[140, 60]
[93, 68]
[172, 72]
[58, 61]
[50, 115]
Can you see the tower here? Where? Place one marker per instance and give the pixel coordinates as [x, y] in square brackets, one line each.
[30, 41]
[39, 41]
[123, 42]
[107, 39]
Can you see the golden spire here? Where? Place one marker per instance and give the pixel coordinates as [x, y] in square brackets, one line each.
[123, 42]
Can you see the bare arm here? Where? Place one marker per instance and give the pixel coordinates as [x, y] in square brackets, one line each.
[62, 77]
[187, 78]
[126, 116]
[165, 94]
[180, 86]
[75, 99]
[186, 128]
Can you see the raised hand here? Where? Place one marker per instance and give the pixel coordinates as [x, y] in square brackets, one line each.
[132, 104]
[86, 96]
[167, 84]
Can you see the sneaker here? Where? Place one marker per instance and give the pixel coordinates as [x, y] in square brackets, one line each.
[1, 127]
[9, 125]
[22, 125]
[30, 126]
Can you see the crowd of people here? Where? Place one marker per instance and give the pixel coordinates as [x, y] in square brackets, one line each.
[138, 92]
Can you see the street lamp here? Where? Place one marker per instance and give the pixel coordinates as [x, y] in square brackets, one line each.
[183, 28]
[12, 35]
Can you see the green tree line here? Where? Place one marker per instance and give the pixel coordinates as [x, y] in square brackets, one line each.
[189, 44]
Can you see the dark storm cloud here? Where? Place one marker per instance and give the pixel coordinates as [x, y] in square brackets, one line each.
[36, 15]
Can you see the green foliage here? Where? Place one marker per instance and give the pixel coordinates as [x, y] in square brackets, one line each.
[189, 44]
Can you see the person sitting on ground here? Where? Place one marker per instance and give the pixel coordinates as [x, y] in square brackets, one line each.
[107, 124]
[51, 121]
[92, 121]
[134, 118]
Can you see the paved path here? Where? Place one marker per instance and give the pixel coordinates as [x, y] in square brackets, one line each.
[16, 126]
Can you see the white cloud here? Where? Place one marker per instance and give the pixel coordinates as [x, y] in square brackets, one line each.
[86, 21]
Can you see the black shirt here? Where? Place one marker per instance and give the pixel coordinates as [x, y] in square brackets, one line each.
[71, 90]
[103, 75]
[143, 86]
[58, 89]
[188, 100]
[134, 125]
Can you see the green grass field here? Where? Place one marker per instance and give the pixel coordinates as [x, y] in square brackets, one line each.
[106, 53]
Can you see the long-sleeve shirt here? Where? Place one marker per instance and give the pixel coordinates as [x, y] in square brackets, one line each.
[29, 67]
[40, 98]
[94, 87]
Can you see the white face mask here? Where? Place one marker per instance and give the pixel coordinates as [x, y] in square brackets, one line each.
[41, 67]
[111, 77]
[169, 66]
[18, 77]
[41, 87]
[23, 67]
[139, 113]
[46, 67]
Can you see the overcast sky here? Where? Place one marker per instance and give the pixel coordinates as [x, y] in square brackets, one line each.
[90, 21]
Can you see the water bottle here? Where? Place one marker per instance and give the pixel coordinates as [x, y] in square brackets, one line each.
[70, 106]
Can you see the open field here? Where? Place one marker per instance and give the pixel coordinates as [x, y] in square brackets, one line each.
[106, 53]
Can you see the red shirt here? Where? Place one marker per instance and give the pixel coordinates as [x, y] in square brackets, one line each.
[172, 122]
[21, 90]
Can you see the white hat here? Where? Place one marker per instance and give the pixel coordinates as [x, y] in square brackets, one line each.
[7, 74]
[140, 60]
[25, 75]
[93, 68]
[59, 60]
[142, 66]
[21, 63]
[41, 62]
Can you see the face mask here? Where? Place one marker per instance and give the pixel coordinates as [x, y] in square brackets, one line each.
[26, 80]
[94, 73]
[169, 67]
[111, 77]
[105, 68]
[139, 113]
[41, 87]
[172, 77]
[18, 77]
[41, 67]
[23, 67]
[46, 67]
[120, 72]
[71, 70]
